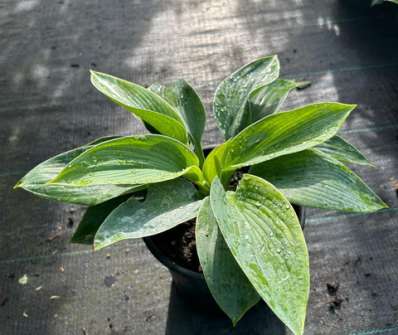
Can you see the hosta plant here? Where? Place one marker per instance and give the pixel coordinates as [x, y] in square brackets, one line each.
[249, 240]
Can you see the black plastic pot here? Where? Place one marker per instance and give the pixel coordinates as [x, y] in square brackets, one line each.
[190, 284]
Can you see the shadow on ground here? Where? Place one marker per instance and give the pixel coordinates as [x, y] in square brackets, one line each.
[186, 318]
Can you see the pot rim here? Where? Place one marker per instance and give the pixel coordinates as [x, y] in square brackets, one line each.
[173, 266]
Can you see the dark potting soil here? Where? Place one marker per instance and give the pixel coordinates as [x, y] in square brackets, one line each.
[180, 245]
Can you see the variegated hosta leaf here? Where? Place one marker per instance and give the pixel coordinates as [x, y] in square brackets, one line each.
[36, 182]
[165, 206]
[103, 139]
[310, 178]
[186, 101]
[146, 105]
[264, 235]
[213, 165]
[280, 134]
[234, 91]
[343, 151]
[227, 283]
[93, 219]
[267, 100]
[132, 160]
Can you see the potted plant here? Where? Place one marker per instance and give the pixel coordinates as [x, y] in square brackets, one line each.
[234, 204]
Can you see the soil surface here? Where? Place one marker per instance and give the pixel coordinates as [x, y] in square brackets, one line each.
[180, 245]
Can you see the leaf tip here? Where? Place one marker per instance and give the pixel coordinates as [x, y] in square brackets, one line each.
[17, 185]
[234, 321]
[98, 246]
[351, 107]
[301, 85]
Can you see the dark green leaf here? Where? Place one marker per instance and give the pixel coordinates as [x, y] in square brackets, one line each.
[166, 205]
[343, 151]
[226, 281]
[281, 134]
[310, 178]
[186, 101]
[93, 218]
[266, 100]
[146, 105]
[132, 160]
[264, 235]
[36, 181]
[234, 91]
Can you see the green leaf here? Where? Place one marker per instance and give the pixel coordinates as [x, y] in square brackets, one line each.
[143, 103]
[281, 134]
[226, 281]
[234, 91]
[186, 101]
[132, 160]
[213, 163]
[267, 100]
[36, 182]
[264, 235]
[166, 205]
[103, 139]
[310, 178]
[93, 218]
[343, 151]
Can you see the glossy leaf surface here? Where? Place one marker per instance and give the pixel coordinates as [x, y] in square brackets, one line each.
[281, 134]
[143, 103]
[267, 100]
[186, 101]
[93, 219]
[103, 139]
[264, 235]
[227, 283]
[310, 178]
[131, 160]
[233, 92]
[36, 181]
[166, 205]
[343, 151]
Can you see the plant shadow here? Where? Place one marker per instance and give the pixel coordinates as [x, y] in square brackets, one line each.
[186, 318]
